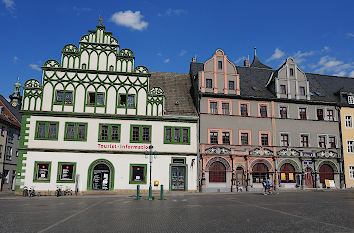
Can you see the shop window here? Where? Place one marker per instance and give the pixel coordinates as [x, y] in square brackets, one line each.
[66, 172]
[109, 133]
[213, 138]
[283, 112]
[46, 130]
[348, 122]
[350, 146]
[320, 116]
[64, 97]
[140, 133]
[42, 171]
[282, 89]
[226, 138]
[330, 115]
[263, 110]
[231, 85]
[284, 139]
[264, 139]
[217, 173]
[287, 173]
[304, 140]
[213, 107]
[302, 113]
[137, 174]
[225, 108]
[75, 131]
[209, 83]
[244, 109]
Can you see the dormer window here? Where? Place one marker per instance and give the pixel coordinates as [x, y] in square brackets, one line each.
[291, 72]
[83, 66]
[282, 89]
[220, 65]
[350, 99]
[302, 91]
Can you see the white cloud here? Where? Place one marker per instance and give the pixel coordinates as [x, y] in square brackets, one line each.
[9, 4]
[240, 59]
[182, 52]
[329, 64]
[351, 74]
[159, 54]
[276, 55]
[325, 49]
[350, 34]
[35, 67]
[300, 56]
[130, 19]
[15, 59]
[167, 60]
[172, 12]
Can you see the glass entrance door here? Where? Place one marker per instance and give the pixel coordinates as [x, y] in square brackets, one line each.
[178, 178]
[100, 178]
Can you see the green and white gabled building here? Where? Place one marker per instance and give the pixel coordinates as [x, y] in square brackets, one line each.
[90, 121]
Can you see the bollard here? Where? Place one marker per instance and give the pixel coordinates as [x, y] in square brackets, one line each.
[161, 194]
[138, 192]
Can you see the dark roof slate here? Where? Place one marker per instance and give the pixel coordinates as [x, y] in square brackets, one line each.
[13, 110]
[176, 87]
[256, 63]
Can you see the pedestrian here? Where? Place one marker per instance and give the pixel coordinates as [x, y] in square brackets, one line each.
[264, 187]
[268, 185]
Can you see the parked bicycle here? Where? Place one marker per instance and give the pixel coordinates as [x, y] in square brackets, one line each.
[32, 192]
[59, 191]
[68, 191]
[25, 191]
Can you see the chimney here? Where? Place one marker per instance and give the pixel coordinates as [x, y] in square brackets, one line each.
[194, 59]
[246, 63]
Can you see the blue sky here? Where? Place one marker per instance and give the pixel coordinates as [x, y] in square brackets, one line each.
[165, 35]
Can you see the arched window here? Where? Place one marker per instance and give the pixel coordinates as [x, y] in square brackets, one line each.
[326, 173]
[260, 173]
[217, 172]
[287, 173]
[240, 176]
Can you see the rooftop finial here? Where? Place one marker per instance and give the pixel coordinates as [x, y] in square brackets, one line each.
[18, 78]
[255, 51]
[101, 21]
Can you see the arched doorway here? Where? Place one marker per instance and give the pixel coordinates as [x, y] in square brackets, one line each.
[260, 173]
[100, 175]
[240, 176]
[217, 172]
[287, 173]
[326, 173]
[308, 178]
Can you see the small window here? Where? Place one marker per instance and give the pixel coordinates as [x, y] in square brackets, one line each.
[137, 174]
[282, 89]
[351, 172]
[75, 131]
[284, 139]
[283, 112]
[220, 65]
[42, 172]
[330, 115]
[46, 130]
[111, 68]
[244, 109]
[320, 116]
[263, 110]
[302, 91]
[348, 122]
[244, 139]
[122, 100]
[66, 172]
[109, 133]
[225, 108]
[304, 140]
[209, 83]
[213, 107]
[264, 140]
[83, 66]
[226, 138]
[350, 99]
[231, 85]
[302, 113]
[91, 98]
[214, 138]
[140, 133]
[291, 72]
[350, 146]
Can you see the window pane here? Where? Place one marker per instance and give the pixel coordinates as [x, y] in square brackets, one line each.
[138, 173]
[100, 99]
[68, 97]
[214, 137]
[231, 85]
[168, 135]
[42, 171]
[146, 134]
[81, 132]
[263, 110]
[225, 109]
[104, 132]
[226, 138]
[264, 140]
[70, 131]
[209, 83]
[41, 130]
[177, 135]
[219, 65]
[244, 110]
[213, 107]
[244, 138]
[135, 132]
[92, 98]
[320, 114]
[131, 102]
[302, 113]
[60, 96]
[52, 130]
[122, 100]
[186, 135]
[283, 112]
[115, 133]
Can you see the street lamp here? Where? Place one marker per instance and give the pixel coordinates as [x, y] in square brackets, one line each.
[150, 154]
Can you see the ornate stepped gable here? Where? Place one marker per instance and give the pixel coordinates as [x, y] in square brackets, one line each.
[97, 66]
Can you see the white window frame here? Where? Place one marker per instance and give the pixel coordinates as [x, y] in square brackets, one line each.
[350, 99]
[352, 146]
[289, 142]
[309, 141]
[351, 121]
[326, 116]
[298, 113]
[287, 111]
[351, 172]
[318, 141]
[328, 143]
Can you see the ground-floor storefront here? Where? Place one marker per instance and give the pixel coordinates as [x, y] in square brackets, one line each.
[107, 172]
[9, 176]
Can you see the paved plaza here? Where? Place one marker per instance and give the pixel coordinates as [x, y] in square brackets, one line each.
[311, 211]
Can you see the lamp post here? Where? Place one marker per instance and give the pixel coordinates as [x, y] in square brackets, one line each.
[150, 153]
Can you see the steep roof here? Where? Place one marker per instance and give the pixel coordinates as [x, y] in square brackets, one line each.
[256, 63]
[176, 87]
[14, 112]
